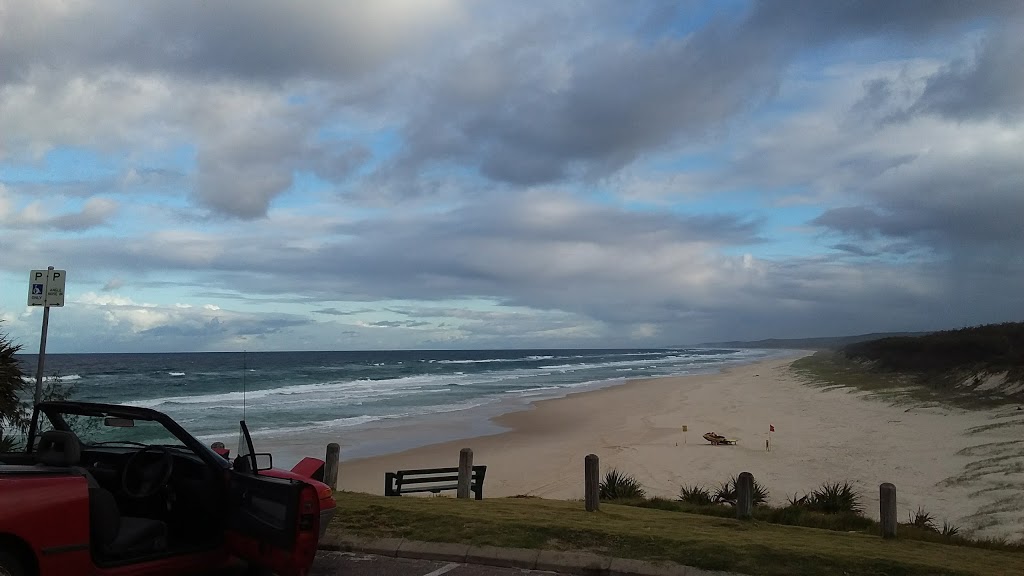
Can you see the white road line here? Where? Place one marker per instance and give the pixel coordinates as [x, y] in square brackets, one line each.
[443, 569]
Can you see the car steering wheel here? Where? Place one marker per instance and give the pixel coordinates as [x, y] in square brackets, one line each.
[142, 480]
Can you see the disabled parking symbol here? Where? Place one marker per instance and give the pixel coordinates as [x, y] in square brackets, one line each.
[37, 289]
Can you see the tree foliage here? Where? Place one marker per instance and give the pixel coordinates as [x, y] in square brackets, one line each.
[989, 348]
[11, 376]
[11, 383]
[15, 405]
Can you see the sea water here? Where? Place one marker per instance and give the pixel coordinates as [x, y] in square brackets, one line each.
[284, 394]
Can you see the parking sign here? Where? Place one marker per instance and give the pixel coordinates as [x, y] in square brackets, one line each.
[46, 287]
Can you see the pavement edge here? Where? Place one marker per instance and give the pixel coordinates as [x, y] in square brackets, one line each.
[581, 563]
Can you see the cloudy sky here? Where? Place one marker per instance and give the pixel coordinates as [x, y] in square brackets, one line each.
[331, 175]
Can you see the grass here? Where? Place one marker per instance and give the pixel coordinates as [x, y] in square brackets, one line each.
[753, 547]
[828, 369]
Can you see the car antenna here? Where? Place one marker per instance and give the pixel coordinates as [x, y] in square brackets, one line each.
[244, 370]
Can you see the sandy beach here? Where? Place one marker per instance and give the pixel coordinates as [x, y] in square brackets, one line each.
[961, 466]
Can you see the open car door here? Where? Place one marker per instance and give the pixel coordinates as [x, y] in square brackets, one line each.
[274, 522]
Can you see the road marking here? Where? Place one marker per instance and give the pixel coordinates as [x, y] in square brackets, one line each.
[443, 569]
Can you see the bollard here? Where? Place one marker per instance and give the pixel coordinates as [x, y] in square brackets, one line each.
[331, 465]
[465, 472]
[592, 482]
[745, 496]
[887, 510]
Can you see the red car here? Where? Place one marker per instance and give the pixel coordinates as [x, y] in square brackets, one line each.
[111, 490]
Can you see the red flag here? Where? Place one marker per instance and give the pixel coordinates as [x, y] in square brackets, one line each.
[771, 428]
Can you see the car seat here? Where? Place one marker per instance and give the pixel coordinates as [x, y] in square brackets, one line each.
[112, 535]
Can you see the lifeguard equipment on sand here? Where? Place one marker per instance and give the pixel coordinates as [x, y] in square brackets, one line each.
[716, 439]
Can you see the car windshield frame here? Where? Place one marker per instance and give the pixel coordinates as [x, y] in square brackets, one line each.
[55, 413]
[92, 430]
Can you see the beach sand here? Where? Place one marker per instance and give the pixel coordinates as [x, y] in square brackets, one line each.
[961, 466]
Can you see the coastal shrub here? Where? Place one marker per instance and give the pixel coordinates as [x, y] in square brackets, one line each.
[922, 519]
[833, 498]
[695, 494]
[797, 514]
[726, 493]
[620, 486]
[949, 530]
[794, 502]
[8, 443]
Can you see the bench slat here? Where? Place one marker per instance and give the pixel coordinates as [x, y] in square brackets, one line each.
[407, 480]
[431, 488]
[429, 471]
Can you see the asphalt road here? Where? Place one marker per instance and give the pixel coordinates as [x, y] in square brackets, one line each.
[349, 564]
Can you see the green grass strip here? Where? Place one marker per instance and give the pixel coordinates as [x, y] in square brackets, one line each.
[754, 547]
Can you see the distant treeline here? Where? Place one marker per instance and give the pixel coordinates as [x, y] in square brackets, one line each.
[993, 348]
[821, 343]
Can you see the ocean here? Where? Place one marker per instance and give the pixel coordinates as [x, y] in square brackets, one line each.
[351, 394]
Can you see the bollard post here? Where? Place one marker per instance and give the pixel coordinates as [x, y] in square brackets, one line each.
[465, 472]
[745, 496]
[592, 482]
[331, 465]
[887, 509]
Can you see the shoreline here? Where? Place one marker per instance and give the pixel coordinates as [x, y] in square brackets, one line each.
[401, 434]
[931, 454]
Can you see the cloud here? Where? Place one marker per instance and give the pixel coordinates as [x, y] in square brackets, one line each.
[251, 39]
[983, 86]
[94, 213]
[532, 173]
[336, 312]
[398, 323]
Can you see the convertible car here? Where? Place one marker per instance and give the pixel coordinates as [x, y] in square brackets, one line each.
[110, 490]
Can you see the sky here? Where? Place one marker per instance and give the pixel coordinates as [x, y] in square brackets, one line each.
[447, 174]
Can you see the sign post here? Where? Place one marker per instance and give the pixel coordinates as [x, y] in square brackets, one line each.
[45, 288]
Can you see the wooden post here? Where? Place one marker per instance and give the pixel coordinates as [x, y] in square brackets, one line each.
[745, 496]
[331, 465]
[592, 482]
[887, 509]
[465, 472]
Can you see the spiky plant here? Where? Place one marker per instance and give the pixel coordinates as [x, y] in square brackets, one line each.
[922, 519]
[7, 443]
[620, 486]
[726, 493]
[794, 501]
[695, 494]
[834, 498]
[11, 378]
[949, 530]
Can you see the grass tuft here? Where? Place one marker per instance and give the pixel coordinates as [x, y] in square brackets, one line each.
[620, 486]
[695, 494]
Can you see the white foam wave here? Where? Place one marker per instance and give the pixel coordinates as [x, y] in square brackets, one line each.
[335, 391]
[351, 421]
[67, 378]
[175, 373]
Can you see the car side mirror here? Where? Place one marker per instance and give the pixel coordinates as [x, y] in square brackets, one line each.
[264, 461]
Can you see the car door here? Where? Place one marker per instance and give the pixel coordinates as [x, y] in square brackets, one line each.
[273, 522]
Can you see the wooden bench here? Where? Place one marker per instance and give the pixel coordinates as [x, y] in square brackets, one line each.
[432, 480]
